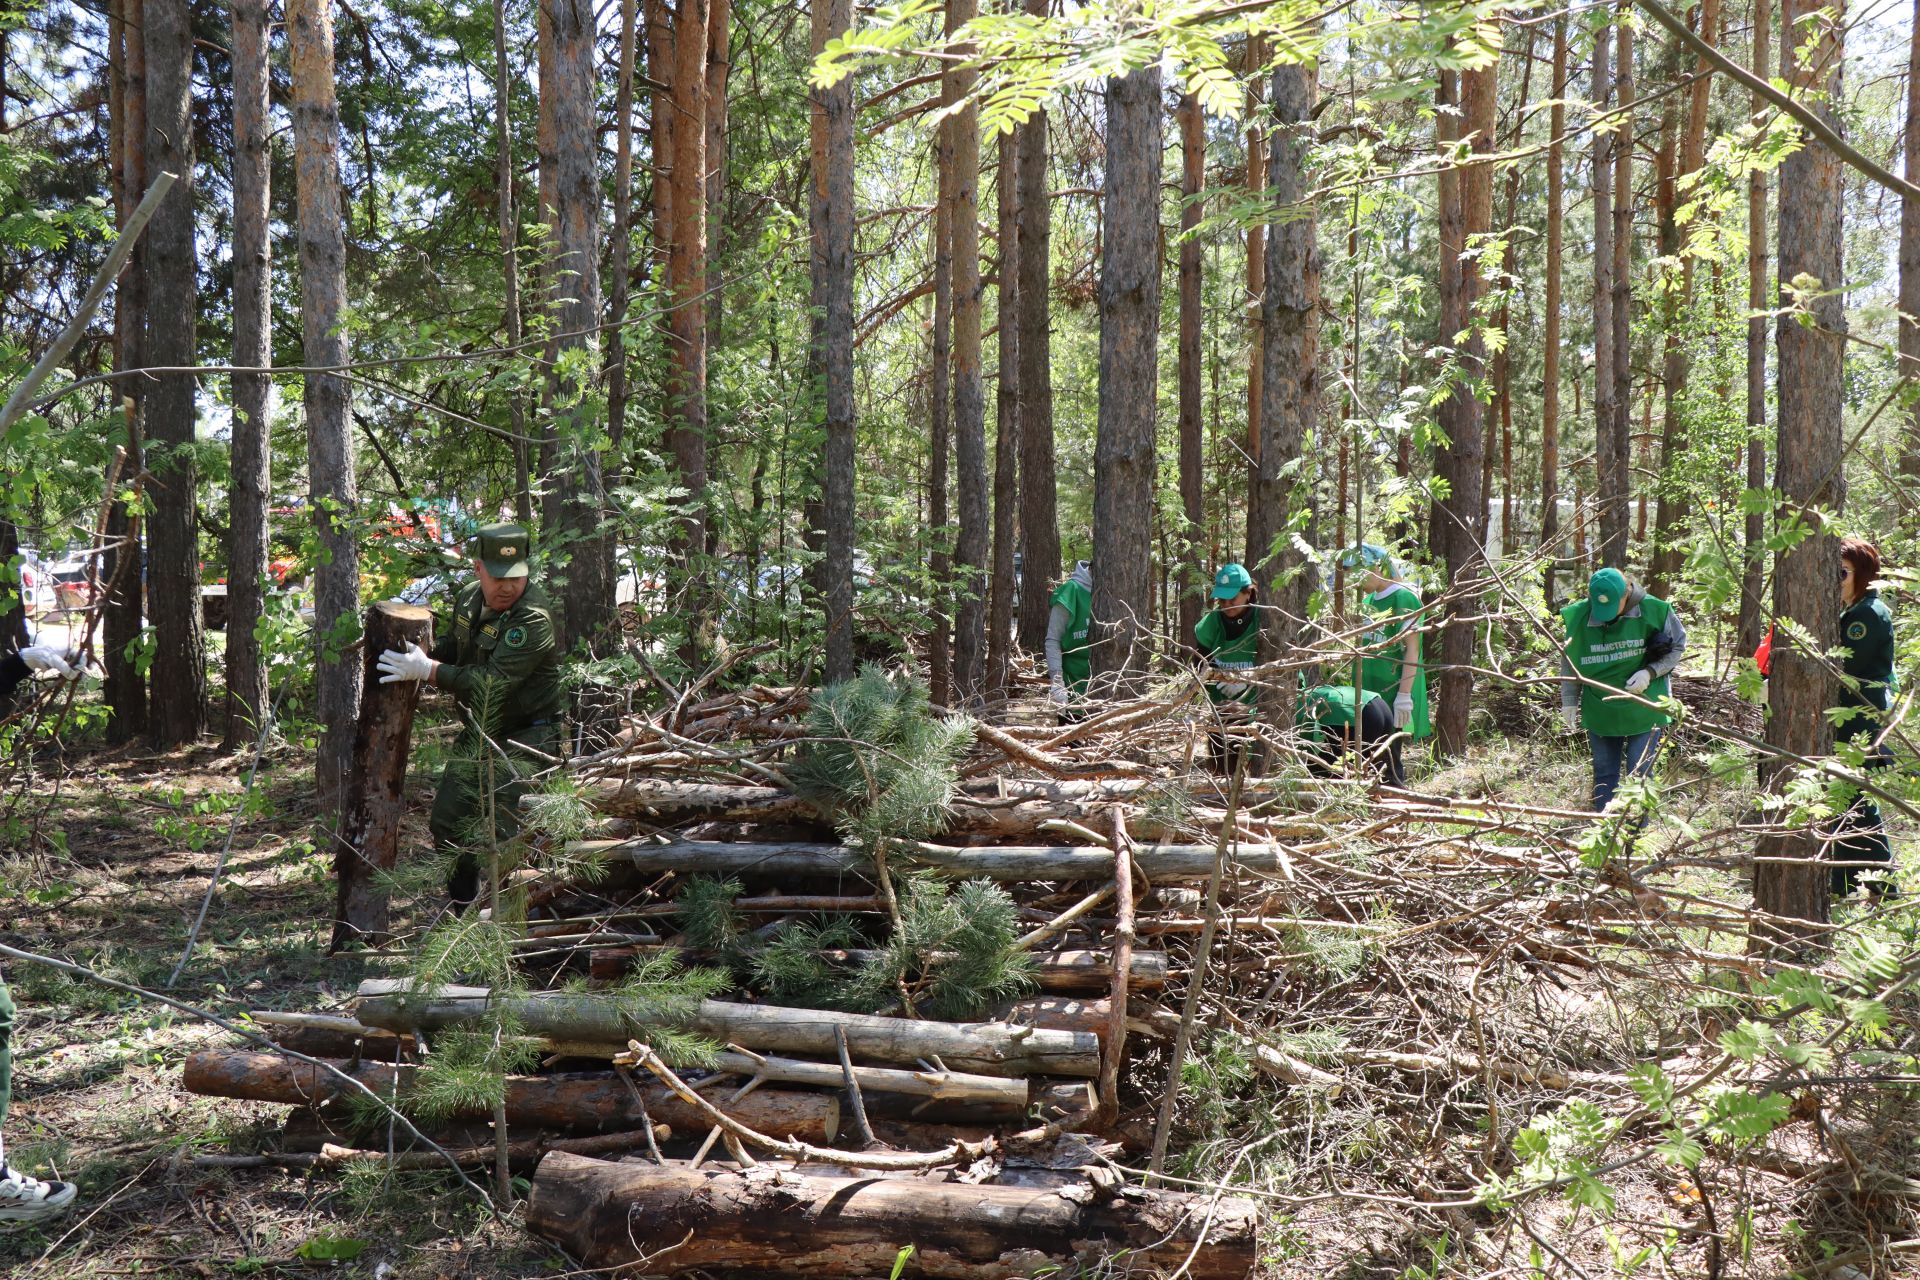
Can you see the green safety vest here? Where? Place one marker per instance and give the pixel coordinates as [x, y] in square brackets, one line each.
[1399, 611]
[1236, 653]
[1076, 662]
[1609, 655]
[1329, 706]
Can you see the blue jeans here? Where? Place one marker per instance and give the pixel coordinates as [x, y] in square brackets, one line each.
[1612, 756]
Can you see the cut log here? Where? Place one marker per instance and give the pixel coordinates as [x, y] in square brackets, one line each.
[1157, 862]
[521, 1155]
[689, 801]
[772, 1222]
[375, 799]
[597, 1102]
[1062, 971]
[986, 1048]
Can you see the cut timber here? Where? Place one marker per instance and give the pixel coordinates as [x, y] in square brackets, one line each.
[988, 1048]
[769, 1221]
[1062, 971]
[375, 795]
[521, 1155]
[944, 1086]
[703, 801]
[597, 1102]
[1157, 862]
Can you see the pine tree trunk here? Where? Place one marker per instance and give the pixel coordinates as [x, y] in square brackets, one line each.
[1620, 439]
[1752, 579]
[1611, 495]
[1669, 557]
[1910, 251]
[250, 490]
[719, 51]
[179, 707]
[687, 321]
[1006, 443]
[121, 620]
[331, 483]
[1666, 223]
[1039, 527]
[969, 385]
[832, 215]
[1290, 390]
[1808, 474]
[1124, 446]
[940, 411]
[505, 204]
[1550, 348]
[620, 247]
[1460, 521]
[1192, 546]
[1256, 243]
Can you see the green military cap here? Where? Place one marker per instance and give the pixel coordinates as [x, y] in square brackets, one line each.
[503, 549]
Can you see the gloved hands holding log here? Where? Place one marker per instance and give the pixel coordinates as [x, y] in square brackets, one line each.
[410, 664]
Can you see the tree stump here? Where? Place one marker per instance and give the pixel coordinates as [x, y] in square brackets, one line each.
[369, 839]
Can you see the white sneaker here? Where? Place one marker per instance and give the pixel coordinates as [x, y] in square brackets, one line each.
[26, 1199]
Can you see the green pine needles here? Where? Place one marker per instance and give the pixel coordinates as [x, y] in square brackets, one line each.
[879, 760]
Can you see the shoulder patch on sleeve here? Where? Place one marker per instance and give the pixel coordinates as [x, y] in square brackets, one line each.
[1857, 631]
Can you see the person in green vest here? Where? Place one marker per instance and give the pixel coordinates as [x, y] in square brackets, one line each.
[1394, 663]
[1618, 639]
[499, 658]
[1325, 718]
[1866, 698]
[1069, 662]
[1228, 637]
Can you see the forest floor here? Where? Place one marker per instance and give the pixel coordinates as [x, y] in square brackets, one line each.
[97, 1074]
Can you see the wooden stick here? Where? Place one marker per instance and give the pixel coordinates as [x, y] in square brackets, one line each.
[860, 1124]
[1116, 1045]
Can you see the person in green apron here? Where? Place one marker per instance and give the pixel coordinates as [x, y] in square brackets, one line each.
[1866, 697]
[1325, 718]
[1228, 637]
[1619, 640]
[1069, 660]
[1393, 664]
[499, 657]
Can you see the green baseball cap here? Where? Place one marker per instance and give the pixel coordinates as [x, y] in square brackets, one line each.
[503, 549]
[1231, 581]
[1606, 593]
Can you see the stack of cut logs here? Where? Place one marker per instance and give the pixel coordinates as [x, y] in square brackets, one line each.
[794, 1152]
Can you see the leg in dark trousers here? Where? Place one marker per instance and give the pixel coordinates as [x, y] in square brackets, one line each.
[1379, 742]
[1860, 836]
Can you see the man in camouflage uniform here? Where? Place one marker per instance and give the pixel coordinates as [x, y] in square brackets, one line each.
[497, 655]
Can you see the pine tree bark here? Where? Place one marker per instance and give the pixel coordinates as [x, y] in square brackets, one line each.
[719, 55]
[1192, 548]
[1620, 439]
[331, 484]
[832, 220]
[1752, 579]
[1668, 555]
[1124, 446]
[940, 411]
[1006, 443]
[1667, 228]
[121, 621]
[969, 384]
[620, 246]
[1808, 473]
[687, 320]
[1039, 525]
[1290, 391]
[1610, 485]
[505, 204]
[178, 713]
[1550, 350]
[1459, 523]
[250, 489]
[1910, 251]
[1256, 243]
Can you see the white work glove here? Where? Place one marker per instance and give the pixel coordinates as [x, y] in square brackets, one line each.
[1403, 711]
[1570, 717]
[1232, 688]
[1057, 694]
[43, 658]
[1637, 682]
[414, 664]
